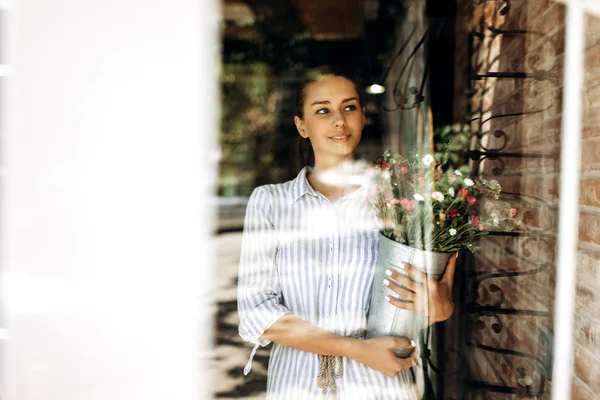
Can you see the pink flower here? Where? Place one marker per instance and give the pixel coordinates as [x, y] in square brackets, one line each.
[385, 166]
[471, 200]
[513, 212]
[408, 204]
[474, 220]
[378, 161]
[411, 185]
[403, 170]
[463, 193]
[481, 227]
[451, 178]
[453, 213]
[421, 180]
[395, 201]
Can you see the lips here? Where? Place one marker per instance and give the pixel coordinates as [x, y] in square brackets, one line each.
[341, 138]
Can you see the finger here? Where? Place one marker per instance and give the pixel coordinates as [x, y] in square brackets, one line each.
[408, 283]
[400, 291]
[448, 277]
[405, 305]
[405, 363]
[415, 273]
[403, 342]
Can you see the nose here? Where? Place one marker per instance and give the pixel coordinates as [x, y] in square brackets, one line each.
[339, 121]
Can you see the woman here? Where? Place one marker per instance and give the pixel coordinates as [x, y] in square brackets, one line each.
[308, 256]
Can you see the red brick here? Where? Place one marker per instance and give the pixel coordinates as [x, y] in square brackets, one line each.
[581, 391]
[590, 132]
[590, 192]
[591, 115]
[588, 268]
[591, 89]
[586, 300]
[542, 132]
[546, 187]
[587, 333]
[592, 60]
[586, 368]
[592, 31]
[590, 155]
[552, 18]
[541, 216]
[529, 11]
[542, 57]
[589, 228]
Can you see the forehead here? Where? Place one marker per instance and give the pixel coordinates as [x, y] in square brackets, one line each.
[331, 88]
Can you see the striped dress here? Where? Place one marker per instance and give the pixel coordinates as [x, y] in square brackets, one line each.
[305, 255]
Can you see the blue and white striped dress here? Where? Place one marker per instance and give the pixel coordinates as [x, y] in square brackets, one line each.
[305, 255]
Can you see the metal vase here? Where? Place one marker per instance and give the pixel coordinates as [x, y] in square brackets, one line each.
[383, 318]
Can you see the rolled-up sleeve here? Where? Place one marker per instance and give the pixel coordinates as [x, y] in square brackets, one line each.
[259, 292]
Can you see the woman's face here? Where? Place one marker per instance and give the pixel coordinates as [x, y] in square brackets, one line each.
[333, 117]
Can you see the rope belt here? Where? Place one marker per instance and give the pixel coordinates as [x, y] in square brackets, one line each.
[327, 376]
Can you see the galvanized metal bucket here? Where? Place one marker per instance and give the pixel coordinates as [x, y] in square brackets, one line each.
[383, 318]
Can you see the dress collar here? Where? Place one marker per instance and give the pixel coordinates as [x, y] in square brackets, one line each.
[300, 185]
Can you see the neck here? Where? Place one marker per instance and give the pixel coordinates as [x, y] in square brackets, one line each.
[331, 177]
[340, 164]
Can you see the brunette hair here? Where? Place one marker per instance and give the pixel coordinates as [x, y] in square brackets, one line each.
[313, 75]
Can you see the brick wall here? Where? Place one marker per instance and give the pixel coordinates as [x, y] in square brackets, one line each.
[524, 266]
[586, 382]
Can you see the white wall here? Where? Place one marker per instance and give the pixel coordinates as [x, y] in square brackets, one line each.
[106, 141]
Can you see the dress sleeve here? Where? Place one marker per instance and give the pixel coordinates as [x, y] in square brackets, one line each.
[259, 292]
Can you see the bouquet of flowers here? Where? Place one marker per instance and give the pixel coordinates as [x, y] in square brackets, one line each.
[420, 205]
[425, 214]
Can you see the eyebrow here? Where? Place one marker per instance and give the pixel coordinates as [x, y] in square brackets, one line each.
[328, 102]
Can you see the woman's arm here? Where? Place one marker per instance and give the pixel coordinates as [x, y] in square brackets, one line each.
[377, 353]
[263, 318]
[259, 291]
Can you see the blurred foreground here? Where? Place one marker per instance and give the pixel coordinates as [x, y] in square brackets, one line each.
[231, 353]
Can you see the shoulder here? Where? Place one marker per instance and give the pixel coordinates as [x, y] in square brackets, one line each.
[271, 195]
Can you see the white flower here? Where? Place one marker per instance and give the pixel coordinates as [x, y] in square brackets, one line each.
[437, 196]
[428, 160]
[419, 197]
[458, 173]
[386, 175]
[494, 185]
[469, 182]
[452, 232]
[451, 192]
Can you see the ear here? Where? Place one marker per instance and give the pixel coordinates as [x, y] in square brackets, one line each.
[300, 126]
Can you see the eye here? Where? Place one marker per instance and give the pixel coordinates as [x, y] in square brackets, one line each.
[322, 111]
[350, 107]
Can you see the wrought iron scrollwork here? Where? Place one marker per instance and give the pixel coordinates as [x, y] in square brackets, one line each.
[487, 311]
[407, 96]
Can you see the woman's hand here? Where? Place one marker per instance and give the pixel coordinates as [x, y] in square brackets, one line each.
[378, 353]
[424, 295]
